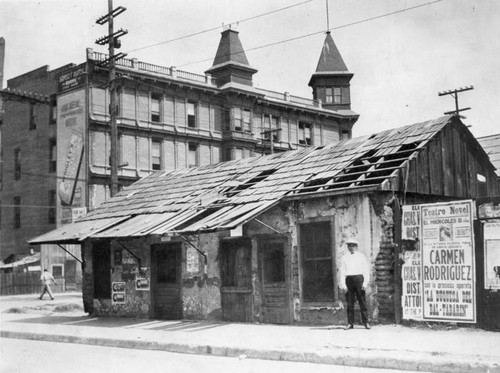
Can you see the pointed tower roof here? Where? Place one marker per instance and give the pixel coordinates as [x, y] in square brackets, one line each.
[330, 61]
[230, 60]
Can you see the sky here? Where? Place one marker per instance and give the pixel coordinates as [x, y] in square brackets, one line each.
[402, 52]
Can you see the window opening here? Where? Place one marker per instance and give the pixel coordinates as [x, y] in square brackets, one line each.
[17, 163]
[155, 107]
[156, 155]
[17, 212]
[305, 133]
[191, 114]
[192, 155]
[52, 207]
[52, 155]
[32, 117]
[57, 270]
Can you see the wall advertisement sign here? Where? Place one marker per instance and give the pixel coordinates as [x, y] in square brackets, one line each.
[442, 285]
[70, 153]
[411, 269]
[492, 255]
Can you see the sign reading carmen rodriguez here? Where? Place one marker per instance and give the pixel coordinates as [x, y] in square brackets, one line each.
[448, 273]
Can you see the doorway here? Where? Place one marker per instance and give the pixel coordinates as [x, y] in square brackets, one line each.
[273, 275]
[166, 275]
[235, 259]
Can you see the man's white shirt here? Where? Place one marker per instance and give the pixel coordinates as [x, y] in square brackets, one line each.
[355, 264]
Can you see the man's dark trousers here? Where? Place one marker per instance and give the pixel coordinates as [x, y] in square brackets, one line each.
[355, 289]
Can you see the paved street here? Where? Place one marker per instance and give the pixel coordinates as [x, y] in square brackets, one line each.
[21, 356]
[436, 349]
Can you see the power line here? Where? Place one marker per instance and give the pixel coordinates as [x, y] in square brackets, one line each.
[322, 31]
[218, 27]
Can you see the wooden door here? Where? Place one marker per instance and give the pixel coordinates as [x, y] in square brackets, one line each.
[235, 258]
[273, 275]
[166, 274]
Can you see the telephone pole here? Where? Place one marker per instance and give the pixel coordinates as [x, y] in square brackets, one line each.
[112, 39]
[454, 93]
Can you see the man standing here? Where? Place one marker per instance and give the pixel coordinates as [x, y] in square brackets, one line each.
[355, 275]
[46, 279]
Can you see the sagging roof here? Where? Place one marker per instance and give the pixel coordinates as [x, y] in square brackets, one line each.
[225, 195]
[491, 145]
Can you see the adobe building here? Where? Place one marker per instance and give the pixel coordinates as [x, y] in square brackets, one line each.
[261, 239]
[56, 133]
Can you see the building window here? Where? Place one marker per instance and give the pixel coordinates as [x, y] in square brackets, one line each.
[17, 212]
[192, 155]
[17, 163]
[32, 117]
[155, 107]
[245, 118]
[156, 155]
[305, 133]
[52, 207]
[337, 95]
[57, 270]
[191, 114]
[317, 262]
[271, 128]
[344, 135]
[328, 95]
[52, 155]
[228, 154]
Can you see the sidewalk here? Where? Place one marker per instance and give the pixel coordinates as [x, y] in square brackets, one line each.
[384, 346]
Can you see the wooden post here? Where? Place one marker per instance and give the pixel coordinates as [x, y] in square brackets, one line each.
[397, 261]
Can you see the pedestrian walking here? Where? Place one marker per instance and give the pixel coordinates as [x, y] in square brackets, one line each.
[46, 279]
[355, 275]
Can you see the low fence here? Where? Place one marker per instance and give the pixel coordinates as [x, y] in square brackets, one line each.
[26, 283]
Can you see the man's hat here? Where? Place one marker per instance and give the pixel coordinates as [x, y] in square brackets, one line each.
[352, 241]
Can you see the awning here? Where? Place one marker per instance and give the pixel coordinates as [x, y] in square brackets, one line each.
[75, 232]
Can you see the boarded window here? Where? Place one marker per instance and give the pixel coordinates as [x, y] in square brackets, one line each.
[316, 257]
[167, 261]
[204, 116]
[274, 263]
[128, 151]
[57, 270]
[180, 113]
[143, 106]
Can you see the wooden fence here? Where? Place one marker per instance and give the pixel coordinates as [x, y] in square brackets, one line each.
[26, 283]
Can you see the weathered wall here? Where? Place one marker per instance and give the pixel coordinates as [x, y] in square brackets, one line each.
[200, 290]
[369, 218]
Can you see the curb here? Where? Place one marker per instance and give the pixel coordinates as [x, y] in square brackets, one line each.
[334, 356]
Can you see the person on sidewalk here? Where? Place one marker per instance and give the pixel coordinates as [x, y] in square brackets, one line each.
[355, 275]
[46, 279]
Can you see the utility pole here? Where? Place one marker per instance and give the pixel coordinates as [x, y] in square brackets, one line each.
[112, 39]
[454, 93]
[271, 132]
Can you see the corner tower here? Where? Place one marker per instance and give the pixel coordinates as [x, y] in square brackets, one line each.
[331, 81]
[230, 63]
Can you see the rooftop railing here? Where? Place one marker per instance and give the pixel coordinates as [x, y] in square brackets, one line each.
[172, 72]
[290, 98]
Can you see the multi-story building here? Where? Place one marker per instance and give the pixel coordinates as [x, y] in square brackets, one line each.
[56, 142]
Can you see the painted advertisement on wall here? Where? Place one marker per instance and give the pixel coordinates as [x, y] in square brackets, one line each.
[438, 274]
[411, 270]
[491, 255]
[448, 273]
[70, 153]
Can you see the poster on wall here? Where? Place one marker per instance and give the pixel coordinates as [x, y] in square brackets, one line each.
[491, 255]
[448, 273]
[192, 260]
[411, 270]
[71, 124]
[142, 279]
[118, 292]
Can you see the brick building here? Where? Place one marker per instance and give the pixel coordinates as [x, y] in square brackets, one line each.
[56, 141]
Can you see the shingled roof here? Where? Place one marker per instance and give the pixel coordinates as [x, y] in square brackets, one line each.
[225, 195]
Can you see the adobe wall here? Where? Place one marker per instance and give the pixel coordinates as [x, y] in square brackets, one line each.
[369, 218]
[200, 284]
